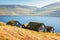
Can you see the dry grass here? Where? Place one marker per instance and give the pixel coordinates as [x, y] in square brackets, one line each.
[8, 32]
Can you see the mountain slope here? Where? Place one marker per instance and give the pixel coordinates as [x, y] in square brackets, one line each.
[49, 10]
[14, 33]
[16, 9]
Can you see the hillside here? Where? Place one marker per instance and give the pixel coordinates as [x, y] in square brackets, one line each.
[49, 10]
[8, 32]
[18, 10]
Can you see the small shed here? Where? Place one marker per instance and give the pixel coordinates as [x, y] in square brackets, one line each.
[14, 23]
[49, 29]
[36, 26]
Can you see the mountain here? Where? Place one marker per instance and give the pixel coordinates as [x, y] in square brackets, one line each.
[49, 10]
[16, 9]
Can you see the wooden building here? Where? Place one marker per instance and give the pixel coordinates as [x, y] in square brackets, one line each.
[14, 23]
[36, 26]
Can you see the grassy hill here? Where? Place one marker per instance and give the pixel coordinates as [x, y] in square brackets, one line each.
[8, 32]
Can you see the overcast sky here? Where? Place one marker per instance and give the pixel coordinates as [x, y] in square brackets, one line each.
[37, 3]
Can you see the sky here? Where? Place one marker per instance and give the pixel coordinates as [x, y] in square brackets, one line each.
[37, 3]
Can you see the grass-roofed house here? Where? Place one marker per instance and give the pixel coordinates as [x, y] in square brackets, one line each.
[49, 29]
[14, 23]
[36, 26]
